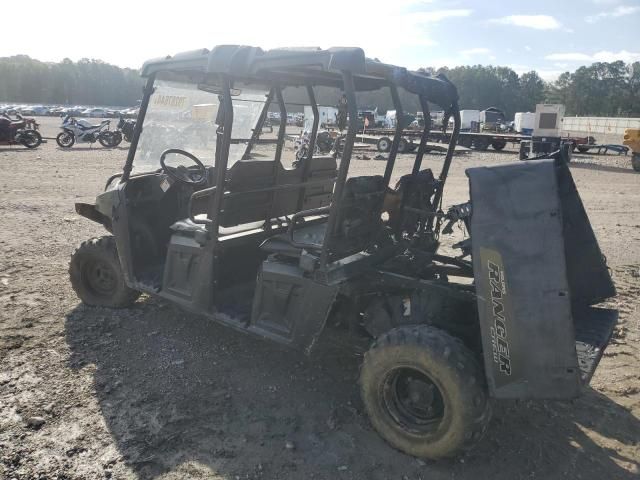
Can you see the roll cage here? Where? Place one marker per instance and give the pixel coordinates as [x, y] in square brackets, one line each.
[346, 69]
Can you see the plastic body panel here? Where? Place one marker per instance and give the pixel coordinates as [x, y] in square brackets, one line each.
[289, 307]
[522, 215]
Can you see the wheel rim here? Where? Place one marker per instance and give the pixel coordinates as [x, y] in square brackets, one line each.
[100, 277]
[384, 145]
[413, 400]
[66, 139]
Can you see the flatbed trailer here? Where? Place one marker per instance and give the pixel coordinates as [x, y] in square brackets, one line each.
[410, 139]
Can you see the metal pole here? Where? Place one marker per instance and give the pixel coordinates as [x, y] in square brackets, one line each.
[222, 157]
[283, 123]
[396, 137]
[437, 197]
[306, 162]
[424, 104]
[137, 131]
[257, 131]
[352, 108]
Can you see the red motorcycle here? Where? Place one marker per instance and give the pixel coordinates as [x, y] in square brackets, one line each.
[19, 131]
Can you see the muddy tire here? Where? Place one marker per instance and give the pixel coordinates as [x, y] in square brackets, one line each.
[96, 275]
[403, 145]
[425, 392]
[65, 139]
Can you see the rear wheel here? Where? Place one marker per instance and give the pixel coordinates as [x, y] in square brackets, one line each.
[403, 145]
[480, 143]
[635, 161]
[65, 139]
[31, 139]
[464, 141]
[109, 139]
[116, 138]
[498, 144]
[96, 275]
[424, 392]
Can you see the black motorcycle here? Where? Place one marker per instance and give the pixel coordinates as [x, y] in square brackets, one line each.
[126, 126]
[19, 131]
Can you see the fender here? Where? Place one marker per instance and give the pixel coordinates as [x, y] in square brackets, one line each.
[89, 211]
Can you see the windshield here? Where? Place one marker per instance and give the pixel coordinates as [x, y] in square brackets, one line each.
[182, 115]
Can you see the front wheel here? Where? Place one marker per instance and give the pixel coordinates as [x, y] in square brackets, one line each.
[96, 275]
[66, 139]
[425, 392]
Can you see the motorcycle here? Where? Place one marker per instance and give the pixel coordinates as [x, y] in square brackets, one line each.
[324, 144]
[126, 126]
[22, 131]
[82, 131]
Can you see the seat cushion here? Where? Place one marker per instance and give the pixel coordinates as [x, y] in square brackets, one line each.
[309, 237]
[187, 227]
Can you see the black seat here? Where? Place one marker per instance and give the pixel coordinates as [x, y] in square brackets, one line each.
[252, 195]
[307, 237]
[357, 225]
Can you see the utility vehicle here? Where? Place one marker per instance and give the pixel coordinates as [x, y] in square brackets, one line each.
[205, 222]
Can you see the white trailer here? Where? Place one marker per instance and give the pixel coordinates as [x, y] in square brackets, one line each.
[327, 115]
[523, 122]
[466, 117]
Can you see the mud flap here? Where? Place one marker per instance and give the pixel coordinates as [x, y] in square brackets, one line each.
[537, 267]
[289, 307]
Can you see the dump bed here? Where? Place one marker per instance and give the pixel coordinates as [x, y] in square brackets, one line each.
[538, 271]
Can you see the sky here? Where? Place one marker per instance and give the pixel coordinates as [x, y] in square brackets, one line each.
[550, 36]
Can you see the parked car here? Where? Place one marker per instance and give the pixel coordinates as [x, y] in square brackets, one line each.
[73, 111]
[40, 110]
[95, 112]
[129, 112]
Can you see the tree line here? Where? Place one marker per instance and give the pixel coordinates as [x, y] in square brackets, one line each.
[86, 82]
[601, 89]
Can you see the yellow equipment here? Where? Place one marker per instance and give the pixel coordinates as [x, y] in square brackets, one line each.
[632, 140]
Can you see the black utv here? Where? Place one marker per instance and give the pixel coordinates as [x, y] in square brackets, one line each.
[199, 219]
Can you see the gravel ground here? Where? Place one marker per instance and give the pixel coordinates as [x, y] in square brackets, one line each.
[153, 392]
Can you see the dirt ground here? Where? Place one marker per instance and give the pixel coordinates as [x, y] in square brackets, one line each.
[153, 392]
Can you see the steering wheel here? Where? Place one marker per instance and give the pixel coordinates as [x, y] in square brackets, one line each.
[183, 174]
